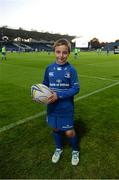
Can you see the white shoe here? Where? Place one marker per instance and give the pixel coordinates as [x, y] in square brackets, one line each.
[56, 155]
[75, 158]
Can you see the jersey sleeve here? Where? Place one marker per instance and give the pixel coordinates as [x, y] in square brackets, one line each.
[46, 79]
[74, 88]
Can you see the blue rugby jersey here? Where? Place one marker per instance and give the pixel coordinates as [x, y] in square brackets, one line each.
[63, 80]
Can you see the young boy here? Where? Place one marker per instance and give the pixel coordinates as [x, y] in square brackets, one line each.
[62, 79]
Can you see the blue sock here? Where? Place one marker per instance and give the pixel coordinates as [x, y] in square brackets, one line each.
[58, 139]
[74, 143]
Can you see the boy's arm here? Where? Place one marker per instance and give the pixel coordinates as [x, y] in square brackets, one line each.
[46, 80]
[75, 87]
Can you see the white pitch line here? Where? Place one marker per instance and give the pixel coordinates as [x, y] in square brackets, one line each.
[12, 125]
[96, 64]
[97, 91]
[96, 77]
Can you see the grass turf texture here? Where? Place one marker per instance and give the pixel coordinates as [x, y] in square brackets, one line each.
[26, 149]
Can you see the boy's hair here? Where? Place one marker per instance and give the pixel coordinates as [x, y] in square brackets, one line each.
[63, 42]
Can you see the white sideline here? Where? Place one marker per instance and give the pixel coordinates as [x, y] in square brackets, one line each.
[7, 127]
[96, 64]
[96, 77]
[12, 125]
[97, 91]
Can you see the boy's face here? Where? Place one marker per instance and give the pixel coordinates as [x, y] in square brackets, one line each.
[61, 53]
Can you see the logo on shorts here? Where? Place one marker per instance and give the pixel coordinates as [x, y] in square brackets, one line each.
[67, 126]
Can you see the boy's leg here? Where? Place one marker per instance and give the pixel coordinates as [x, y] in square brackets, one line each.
[52, 122]
[58, 143]
[57, 138]
[74, 144]
[72, 139]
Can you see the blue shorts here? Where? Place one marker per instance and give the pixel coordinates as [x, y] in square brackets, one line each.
[63, 123]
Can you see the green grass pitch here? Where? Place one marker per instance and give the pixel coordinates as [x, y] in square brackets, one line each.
[26, 143]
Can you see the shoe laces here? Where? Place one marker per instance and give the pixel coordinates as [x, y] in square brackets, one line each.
[57, 152]
[75, 154]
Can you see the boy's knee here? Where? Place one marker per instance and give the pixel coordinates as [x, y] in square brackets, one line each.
[70, 133]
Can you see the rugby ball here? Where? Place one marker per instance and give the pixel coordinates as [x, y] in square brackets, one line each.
[40, 93]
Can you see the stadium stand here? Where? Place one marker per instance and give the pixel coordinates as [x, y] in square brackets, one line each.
[112, 45]
[29, 40]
